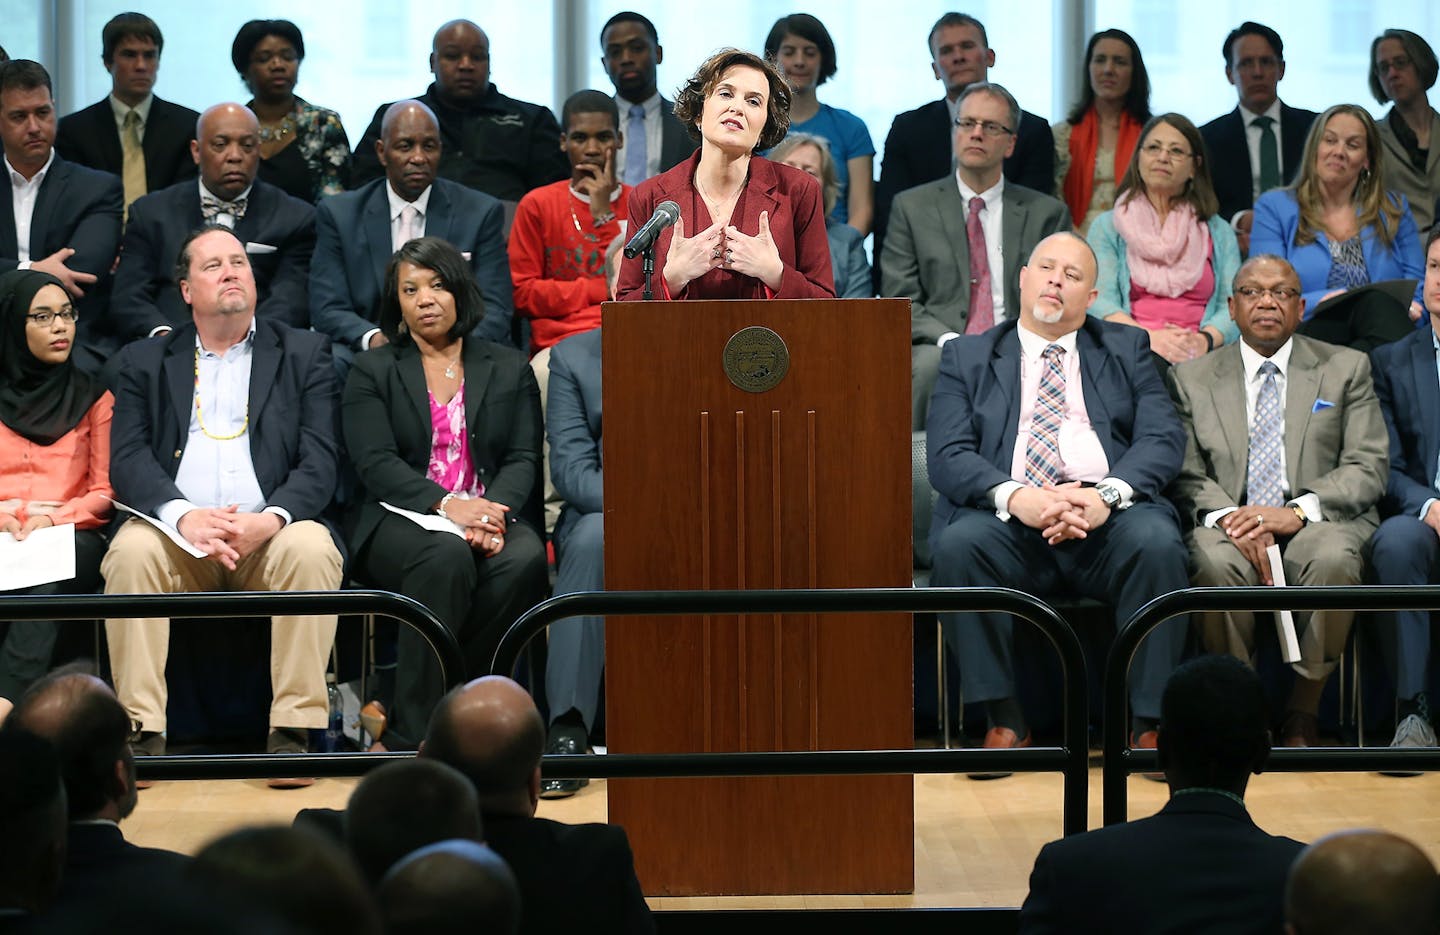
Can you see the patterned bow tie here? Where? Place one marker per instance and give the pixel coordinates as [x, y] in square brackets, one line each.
[211, 207]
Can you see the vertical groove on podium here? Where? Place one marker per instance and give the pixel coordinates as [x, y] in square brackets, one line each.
[742, 622]
[706, 686]
[812, 575]
[776, 580]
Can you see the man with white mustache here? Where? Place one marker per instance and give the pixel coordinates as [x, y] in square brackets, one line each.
[1051, 437]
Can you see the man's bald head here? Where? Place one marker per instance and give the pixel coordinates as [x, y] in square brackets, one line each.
[227, 149]
[451, 886]
[491, 731]
[409, 148]
[460, 60]
[1057, 285]
[1362, 881]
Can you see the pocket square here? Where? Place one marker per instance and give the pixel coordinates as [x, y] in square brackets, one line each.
[253, 247]
[1322, 404]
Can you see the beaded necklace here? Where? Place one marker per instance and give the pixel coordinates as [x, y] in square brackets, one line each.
[200, 416]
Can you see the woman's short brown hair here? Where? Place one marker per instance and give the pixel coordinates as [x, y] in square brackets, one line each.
[690, 99]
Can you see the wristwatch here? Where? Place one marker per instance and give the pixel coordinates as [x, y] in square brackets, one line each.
[1304, 520]
[1108, 496]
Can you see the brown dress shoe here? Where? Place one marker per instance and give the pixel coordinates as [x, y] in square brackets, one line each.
[288, 740]
[1000, 738]
[1300, 730]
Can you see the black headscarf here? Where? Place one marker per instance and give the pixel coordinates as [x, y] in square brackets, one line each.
[39, 401]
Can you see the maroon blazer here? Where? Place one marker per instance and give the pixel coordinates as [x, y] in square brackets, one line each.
[797, 224]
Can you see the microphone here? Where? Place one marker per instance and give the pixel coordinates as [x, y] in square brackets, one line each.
[666, 213]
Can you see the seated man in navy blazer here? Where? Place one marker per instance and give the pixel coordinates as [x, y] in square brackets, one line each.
[132, 133]
[917, 148]
[276, 230]
[1258, 145]
[55, 216]
[224, 436]
[1200, 864]
[356, 232]
[1406, 548]
[1050, 439]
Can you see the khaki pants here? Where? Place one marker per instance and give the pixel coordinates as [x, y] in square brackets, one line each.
[301, 557]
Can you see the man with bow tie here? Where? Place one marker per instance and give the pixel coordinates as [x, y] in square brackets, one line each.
[277, 231]
[1287, 446]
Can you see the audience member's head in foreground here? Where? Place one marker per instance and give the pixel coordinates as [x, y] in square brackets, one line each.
[1213, 728]
[1365, 881]
[490, 730]
[32, 822]
[403, 806]
[452, 887]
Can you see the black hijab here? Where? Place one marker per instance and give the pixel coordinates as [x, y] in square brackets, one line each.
[39, 401]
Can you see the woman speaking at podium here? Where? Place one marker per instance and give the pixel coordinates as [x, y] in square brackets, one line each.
[749, 228]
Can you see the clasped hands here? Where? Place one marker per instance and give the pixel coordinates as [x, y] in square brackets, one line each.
[722, 247]
[1060, 511]
[483, 521]
[227, 535]
[1252, 530]
[12, 525]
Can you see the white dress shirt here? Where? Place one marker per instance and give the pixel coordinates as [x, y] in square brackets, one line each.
[23, 193]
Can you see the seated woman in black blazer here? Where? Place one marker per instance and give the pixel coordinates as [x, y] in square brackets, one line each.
[440, 424]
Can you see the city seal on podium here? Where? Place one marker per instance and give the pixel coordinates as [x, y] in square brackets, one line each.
[756, 359]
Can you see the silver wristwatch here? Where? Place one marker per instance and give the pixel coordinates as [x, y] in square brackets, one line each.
[1108, 496]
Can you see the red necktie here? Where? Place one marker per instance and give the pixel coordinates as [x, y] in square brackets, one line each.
[982, 303]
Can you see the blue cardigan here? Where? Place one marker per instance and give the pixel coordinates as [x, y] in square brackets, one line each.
[1277, 217]
[1113, 282]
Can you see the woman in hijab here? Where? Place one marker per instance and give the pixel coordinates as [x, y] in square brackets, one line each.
[54, 452]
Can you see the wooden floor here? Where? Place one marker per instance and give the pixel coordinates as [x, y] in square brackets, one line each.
[974, 841]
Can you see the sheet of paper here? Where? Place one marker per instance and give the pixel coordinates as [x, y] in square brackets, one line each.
[427, 520]
[46, 555]
[1284, 619]
[174, 536]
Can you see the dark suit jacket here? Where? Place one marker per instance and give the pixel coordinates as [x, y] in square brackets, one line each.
[146, 294]
[1409, 394]
[927, 253]
[292, 418]
[76, 207]
[499, 145]
[572, 421]
[386, 417]
[100, 865]
[797, 225]
[91, 138]
[920, 148]
[1230, 155]
[976, 408]
[676, 144]
[352, 249]
[1199, 865]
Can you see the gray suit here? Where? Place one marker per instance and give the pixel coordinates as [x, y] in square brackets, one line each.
[1336, 447]
[926, 259]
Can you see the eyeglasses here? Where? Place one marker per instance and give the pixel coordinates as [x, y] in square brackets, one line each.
[1398, 63]
[1153, 150]
[44, 319]
[991, 128]
[1279, 294]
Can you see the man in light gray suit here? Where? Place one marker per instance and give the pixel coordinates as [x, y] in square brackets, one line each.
[955, 246]
[1305, 475]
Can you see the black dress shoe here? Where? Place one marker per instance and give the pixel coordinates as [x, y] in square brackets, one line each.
[564, 743]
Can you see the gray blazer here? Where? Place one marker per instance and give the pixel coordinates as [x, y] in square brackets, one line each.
[926, 257]
[1336, 443]
[1421, 188]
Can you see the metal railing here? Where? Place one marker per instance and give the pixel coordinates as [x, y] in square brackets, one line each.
[1070, 759]
[1120, 760]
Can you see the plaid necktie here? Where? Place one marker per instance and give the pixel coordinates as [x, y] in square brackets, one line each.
[1042, 455]
[1262, 487]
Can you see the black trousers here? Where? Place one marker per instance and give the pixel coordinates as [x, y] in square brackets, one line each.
[28, 644]
[476, 598]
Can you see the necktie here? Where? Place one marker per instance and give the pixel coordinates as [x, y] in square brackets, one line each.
[1269, 154]
[227, 213]
[635, 155]
[1262, 487]
[132, 172]
[410, 226]
[1042, 454]
[982, 304]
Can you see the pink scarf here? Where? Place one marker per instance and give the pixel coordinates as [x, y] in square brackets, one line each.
[1165, 260]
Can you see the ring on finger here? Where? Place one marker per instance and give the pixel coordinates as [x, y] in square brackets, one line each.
[495, 539]
[485, 519]
[715, 254]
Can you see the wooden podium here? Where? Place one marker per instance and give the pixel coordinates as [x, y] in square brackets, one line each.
[802, 485]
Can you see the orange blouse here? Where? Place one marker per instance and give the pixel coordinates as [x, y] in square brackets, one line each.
[69, 480]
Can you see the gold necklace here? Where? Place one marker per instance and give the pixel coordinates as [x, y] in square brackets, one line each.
[200, 416]
[719, 208]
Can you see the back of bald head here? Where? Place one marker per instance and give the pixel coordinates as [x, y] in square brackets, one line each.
[1362, 881]
[412, 107]
[218, 112]
[490, 730]
[450, 887]
[407, 805]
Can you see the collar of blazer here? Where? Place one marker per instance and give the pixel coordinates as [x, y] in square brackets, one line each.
[179, 367]
[479, 367]
[1227, 394]
[759, 189]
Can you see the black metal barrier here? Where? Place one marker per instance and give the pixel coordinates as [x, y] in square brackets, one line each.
[1120, 760]
[207, 604]
[1069, 759]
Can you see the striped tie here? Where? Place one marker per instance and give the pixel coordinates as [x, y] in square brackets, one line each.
[1262, 487]
[1042, 455]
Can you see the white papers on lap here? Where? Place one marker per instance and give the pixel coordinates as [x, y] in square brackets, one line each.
[1284, 619]
[46, 555]
[427, 520]
[172, 534]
